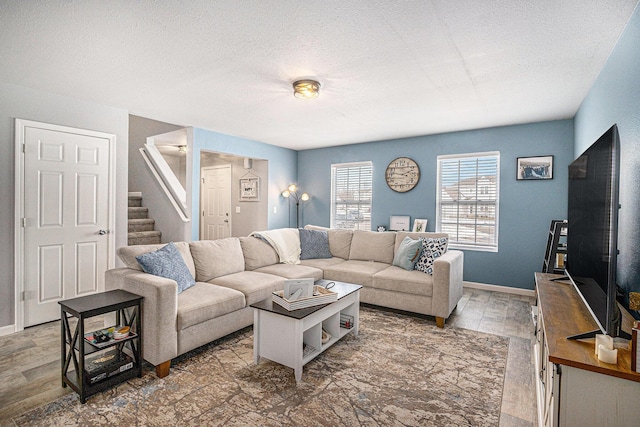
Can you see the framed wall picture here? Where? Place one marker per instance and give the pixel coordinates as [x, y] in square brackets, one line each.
[533, 168]
[419, 225]
[250, 189]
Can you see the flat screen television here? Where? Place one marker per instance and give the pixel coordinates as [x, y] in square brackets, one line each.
[592, 238]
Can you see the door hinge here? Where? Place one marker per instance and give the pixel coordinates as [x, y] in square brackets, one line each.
[203, 180]
[24, 148]
[23, 222]
[22, 295]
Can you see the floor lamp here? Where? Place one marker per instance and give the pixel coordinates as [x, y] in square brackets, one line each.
[292, 193]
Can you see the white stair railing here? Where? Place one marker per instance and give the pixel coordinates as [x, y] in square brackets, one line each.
[168, 181]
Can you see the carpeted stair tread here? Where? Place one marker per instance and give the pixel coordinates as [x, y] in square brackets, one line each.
[135, 201]
[144, 238]
[138, 212]
[142, 224]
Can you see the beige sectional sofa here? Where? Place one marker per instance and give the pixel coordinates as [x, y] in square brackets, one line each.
[233, 273]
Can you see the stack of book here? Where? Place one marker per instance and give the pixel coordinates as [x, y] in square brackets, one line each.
[320, 296]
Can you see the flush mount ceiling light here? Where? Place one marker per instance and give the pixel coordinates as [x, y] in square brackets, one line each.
[306, 89]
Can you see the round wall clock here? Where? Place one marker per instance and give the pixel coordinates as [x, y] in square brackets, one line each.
[402, 174]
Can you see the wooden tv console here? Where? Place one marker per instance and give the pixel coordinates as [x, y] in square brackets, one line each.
[573, 387]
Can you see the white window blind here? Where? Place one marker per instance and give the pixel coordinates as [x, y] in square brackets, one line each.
[468, 200]
[351, 195]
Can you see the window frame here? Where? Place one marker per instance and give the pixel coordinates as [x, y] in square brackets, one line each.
[357, 223]
[454, 244]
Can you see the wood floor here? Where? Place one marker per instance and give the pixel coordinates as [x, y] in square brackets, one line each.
[30, 360]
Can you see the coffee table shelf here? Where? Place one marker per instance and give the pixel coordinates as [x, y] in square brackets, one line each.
[280, 335]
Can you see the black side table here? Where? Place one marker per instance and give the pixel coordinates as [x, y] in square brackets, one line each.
[121, 359]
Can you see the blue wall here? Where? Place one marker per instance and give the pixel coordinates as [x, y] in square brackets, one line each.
[526, 207]
[615, 98]
[282, 170]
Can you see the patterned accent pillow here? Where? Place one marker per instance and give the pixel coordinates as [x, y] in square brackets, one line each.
[431, 249]
[314, 244]
[168, 263]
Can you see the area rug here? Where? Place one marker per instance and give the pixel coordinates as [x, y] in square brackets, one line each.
[400, 370]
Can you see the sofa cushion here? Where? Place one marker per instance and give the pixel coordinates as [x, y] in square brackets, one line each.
[254, 285]
[322, 263]
[408, 253]
[292, 271]
[398, 279]
[339, 240]
[354, 271]
[257, 253]
[372, 246]
[214, 258]
[167, 262]
[314, 244]
[431, 249]
[128, 254]
[205, 301]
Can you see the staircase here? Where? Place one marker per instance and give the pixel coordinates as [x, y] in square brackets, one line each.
[141, 227]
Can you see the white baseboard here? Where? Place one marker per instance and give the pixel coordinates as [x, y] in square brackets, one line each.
[498, 288]
[7, 330]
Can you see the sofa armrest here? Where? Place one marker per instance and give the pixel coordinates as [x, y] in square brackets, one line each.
[447, 282]
[159, 310]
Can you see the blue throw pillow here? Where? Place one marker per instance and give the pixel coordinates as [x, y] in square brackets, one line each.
[408, 253]
[168, 263]
[314, 244]
[431, 249]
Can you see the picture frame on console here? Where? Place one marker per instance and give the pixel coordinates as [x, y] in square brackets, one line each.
[534, 168]
[419, 225]
[399, 223]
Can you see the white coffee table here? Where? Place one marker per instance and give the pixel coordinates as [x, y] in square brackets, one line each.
[280, 335]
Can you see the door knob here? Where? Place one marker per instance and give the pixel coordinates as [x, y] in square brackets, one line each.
[102, 232]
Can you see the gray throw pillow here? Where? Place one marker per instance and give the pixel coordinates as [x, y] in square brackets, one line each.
[168, 263]
[431, 250]
[314, 244]
[408, 253]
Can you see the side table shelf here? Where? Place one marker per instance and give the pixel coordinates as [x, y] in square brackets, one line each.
[89, 368]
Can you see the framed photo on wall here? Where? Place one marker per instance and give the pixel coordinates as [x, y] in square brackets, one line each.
[534, 168]
[250, 189]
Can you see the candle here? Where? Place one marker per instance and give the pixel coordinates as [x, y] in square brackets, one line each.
[607, 356]
[603, 340]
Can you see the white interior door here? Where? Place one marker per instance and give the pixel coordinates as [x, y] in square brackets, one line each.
[216, 202]
[66, 217]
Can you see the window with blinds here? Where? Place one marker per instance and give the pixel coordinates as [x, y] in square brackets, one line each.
[467, 200]
[351, 195]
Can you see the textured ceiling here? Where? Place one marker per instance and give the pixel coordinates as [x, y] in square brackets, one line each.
[388, 69]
